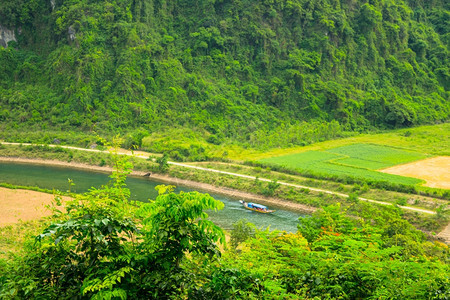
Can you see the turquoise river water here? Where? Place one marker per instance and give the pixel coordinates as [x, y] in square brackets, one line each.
[142, 189]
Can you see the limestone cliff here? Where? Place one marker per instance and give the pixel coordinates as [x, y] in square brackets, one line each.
[6, 35]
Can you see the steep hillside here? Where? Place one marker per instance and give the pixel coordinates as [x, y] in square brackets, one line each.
[231, 69]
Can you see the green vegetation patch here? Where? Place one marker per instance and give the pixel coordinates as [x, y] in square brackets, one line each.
[374, 156]
[357, 161]
[260, 74]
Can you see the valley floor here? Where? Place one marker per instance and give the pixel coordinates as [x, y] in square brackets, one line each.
[176, 181]
[27, 205]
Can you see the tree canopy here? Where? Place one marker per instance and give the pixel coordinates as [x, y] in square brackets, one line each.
[231, 69]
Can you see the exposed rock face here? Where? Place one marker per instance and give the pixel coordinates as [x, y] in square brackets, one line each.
[71, 33]
[6, 35]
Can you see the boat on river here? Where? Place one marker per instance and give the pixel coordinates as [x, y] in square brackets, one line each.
[256, 207]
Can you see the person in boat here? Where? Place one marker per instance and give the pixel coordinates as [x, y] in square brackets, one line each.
[255, 207]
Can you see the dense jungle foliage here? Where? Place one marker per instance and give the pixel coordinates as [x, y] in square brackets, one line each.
[229, 69]
[104, 246]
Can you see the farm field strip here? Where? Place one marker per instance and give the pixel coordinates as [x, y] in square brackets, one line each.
[430, 139]
[382, 155]
[357, 160]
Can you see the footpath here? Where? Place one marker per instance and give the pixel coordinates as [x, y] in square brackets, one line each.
[443, 235]
[144, 156]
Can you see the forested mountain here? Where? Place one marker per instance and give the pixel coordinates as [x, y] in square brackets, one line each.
[228, 68]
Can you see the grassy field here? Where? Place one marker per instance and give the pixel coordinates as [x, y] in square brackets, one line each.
[357, 160]
[374, 157]
[432, 140]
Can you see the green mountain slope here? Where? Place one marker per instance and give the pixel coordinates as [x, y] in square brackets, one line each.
[229, 68]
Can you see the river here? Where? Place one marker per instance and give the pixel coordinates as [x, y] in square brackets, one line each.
[142, 189]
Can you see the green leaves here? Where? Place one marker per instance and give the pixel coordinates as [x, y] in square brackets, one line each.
[369, 16]
[304, 60]
[106, 247]
[104, 288]
[242, 230]
[163, 165]
[177, 223]
[207, 66]
[342, 258]
[98, 252]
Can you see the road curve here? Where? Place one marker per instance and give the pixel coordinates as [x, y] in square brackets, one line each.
[130, 153]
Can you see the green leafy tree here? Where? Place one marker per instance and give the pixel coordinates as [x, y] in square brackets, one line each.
[163, 165]
[106, 246]
[335, 256]
[241, 231]
[270, 188]
[234, 70]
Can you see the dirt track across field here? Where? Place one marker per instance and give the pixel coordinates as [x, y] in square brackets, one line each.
[211, 188]
[435, 171]
[159, 177]
[26, 205]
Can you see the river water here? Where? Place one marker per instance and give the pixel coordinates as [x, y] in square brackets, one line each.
[142, 189]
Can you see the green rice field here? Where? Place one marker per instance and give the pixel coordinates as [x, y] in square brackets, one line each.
[356, 160]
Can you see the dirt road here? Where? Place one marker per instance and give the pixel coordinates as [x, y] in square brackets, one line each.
[143, 156]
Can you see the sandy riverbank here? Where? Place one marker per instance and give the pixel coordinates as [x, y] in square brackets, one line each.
[169, 180]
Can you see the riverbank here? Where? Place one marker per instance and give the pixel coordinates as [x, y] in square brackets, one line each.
[215, 177]
[270, 201]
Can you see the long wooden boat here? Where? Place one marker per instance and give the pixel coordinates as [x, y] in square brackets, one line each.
[256, 207]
